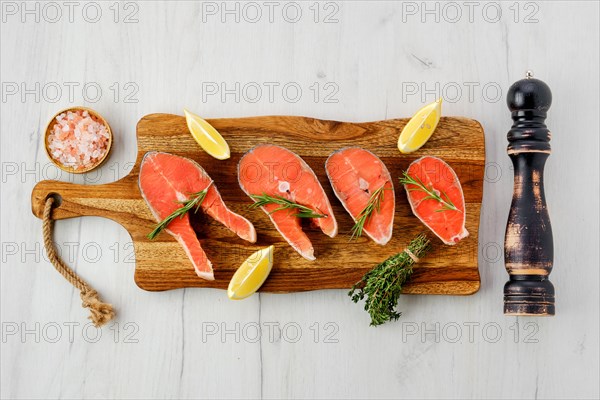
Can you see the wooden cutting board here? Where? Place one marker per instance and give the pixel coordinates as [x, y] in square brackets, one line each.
[162, 264]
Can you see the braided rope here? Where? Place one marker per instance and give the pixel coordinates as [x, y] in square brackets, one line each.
[100, 313]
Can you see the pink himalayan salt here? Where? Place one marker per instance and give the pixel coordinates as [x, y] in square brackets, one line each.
[78, 140]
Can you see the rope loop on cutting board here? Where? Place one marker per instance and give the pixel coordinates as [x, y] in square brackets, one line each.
[100, 313]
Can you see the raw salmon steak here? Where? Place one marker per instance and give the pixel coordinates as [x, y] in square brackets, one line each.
[275, 171]
[165, 181]
[355, 174]
[435, 181]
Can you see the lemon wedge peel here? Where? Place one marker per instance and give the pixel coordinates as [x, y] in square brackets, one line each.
[420, 127]
[251, 275]
[207, 136]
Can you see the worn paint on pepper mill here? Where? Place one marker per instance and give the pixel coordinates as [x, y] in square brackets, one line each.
[528, 245]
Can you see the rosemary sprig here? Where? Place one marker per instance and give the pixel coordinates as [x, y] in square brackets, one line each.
[442, 197]
[194, 201]
[262, 200]
[383, 284]
[373, 205]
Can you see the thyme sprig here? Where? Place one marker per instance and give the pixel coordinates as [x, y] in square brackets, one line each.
[432, 194]
[373, 205]
[194, 201]
[261, 200]
[383, 284]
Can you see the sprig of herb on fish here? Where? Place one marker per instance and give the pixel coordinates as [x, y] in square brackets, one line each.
[432, 194]
[194, 201]
[373, 205]
[261, 200]
[383, 284]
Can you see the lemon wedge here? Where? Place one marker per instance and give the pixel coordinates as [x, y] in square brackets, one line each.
[207, 137]
[250, 276]
[420, 127]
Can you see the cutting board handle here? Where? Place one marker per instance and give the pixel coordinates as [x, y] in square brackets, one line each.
[74, 200]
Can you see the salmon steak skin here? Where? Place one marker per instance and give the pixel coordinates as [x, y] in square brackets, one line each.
[445, 218]
[278, 172]
[167, 180]
[355, 175]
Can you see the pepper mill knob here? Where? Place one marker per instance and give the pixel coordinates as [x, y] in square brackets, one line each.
[529, 94]
[528, 244]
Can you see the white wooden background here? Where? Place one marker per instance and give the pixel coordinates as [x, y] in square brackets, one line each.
[381, 60]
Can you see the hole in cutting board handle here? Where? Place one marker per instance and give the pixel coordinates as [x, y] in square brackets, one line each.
[57, 199]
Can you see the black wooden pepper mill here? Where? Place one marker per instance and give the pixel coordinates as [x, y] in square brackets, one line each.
[528, 246]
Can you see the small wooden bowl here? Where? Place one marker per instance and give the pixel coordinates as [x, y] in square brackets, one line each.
[72, 169]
